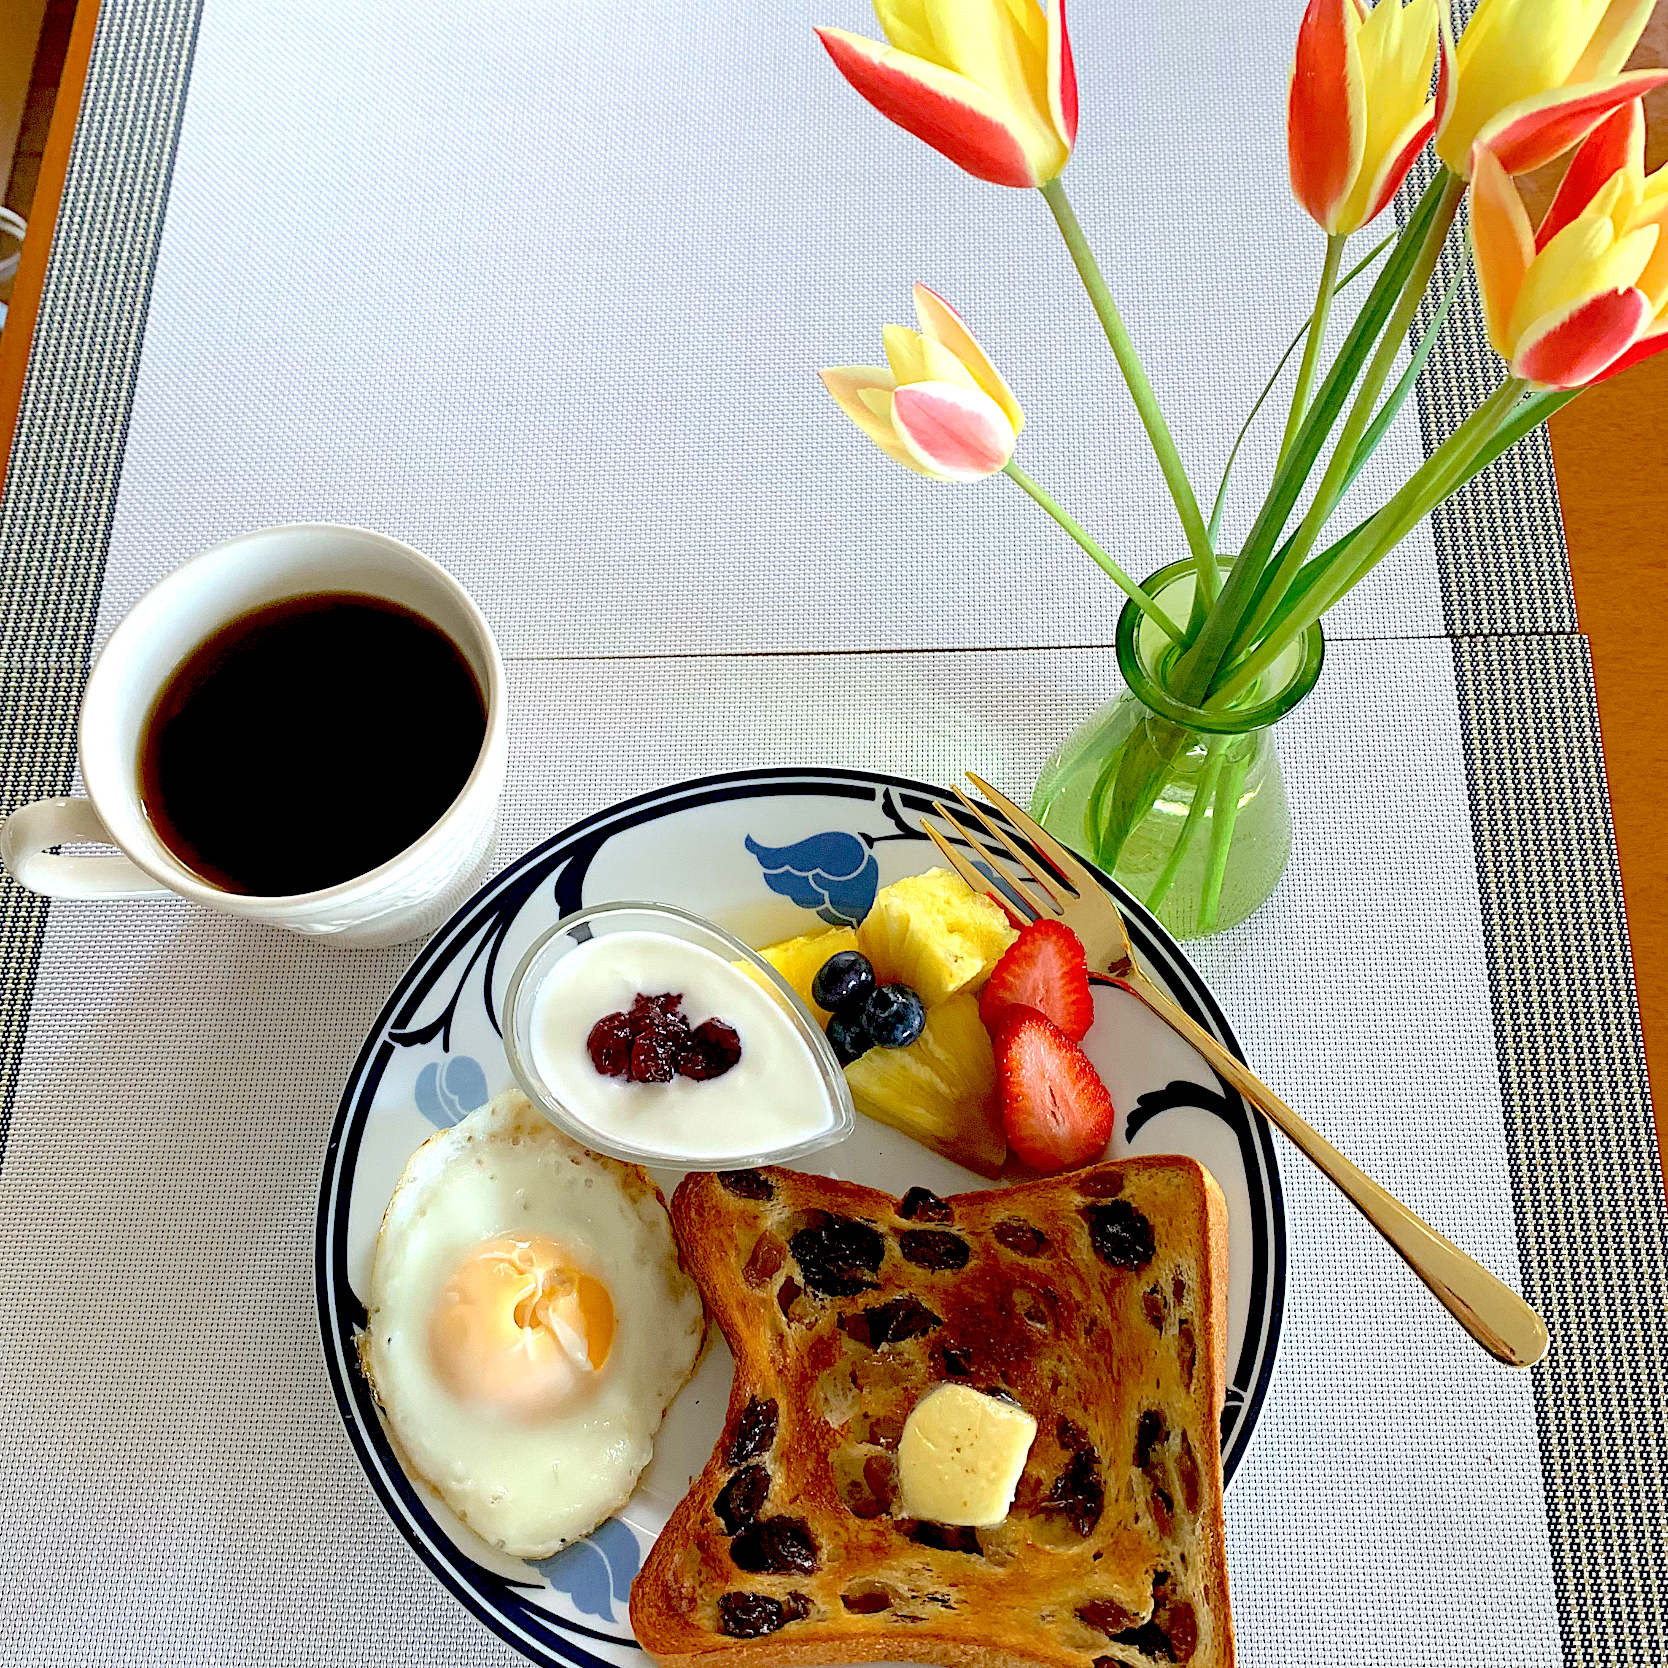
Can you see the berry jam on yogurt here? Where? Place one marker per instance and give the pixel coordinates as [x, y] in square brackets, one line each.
[656, 1042]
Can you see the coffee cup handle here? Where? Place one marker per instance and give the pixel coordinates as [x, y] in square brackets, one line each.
[28, 835]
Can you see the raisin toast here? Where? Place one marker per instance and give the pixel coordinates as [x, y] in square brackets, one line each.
[1095, 1300]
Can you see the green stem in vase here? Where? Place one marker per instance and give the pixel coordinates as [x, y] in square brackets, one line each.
[1223, 817]
[1141, 390]
[1311, 348]
[1130, 782]
[1142, 599]
[1202, 795]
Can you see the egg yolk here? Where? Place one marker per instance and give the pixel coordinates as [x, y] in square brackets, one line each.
[520, 1328]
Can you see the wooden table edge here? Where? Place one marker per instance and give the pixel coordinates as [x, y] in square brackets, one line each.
[1617, 543]
[18, 336]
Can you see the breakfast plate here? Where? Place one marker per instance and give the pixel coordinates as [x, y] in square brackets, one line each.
[766, 854]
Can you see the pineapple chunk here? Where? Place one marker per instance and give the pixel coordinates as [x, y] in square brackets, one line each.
[799, 959]
[941, 1089]
[935, 934]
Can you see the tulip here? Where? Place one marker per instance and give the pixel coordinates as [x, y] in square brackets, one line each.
[1530, 79]
[988, 83]
[1586, 294]
[940, 407]
[1356, 111]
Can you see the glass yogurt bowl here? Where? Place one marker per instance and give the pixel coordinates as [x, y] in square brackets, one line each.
[786, 1095]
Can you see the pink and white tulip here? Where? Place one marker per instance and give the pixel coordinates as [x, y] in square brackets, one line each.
[939, 406]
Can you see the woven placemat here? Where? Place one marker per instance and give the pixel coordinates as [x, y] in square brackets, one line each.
[1572, 1085]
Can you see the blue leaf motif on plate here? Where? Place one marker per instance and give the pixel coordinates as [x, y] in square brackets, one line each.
[447, 1089]
[833, 873]
[596, 1573]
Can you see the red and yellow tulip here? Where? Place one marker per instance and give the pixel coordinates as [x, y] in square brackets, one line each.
[988, 83]
[1357, 113]
[1531, 78]
[1585, 294]
[939, 406]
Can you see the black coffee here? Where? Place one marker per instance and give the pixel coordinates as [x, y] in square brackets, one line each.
[309, 741]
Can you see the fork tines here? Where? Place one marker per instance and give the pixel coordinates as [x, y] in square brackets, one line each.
[1007, 888]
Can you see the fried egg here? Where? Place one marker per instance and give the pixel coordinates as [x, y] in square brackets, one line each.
[529, 1323]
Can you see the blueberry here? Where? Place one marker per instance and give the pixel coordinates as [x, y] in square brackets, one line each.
[847, 1035]
[846, 977]
[894, 1016]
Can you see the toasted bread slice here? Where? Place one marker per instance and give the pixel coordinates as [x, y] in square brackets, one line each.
[1095, 1300]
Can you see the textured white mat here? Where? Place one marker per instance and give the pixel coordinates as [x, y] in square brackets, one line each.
[178, 1488]
[542, 287]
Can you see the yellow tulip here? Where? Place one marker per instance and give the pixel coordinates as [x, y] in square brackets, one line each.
[1585, 294]
[1357, 113]
[1531, 78]
[987, 83]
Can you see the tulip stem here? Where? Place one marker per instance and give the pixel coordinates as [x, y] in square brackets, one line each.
[1449, 467]
[1338, 470]
[1311, 348]
[1268, 388]
[1141, 598]
[1141, 390]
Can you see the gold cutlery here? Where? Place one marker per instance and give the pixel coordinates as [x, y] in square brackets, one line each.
[1061, 887]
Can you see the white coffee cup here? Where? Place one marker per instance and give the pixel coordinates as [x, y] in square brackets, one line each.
[410, 894]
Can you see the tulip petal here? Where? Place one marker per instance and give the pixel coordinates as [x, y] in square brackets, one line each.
[1062, 75]
[1326, 109]
[1403, 153]
[917, 358]
[1535, 130]
[1568, 349]
[958, 118]
[1444, 67]
[1654, 279]
[951, 432]
[1586, 258]
[907, 27]
[987, 41]
[942, 323]
[849, 384]
[1616, 143]
[1613, 41]
[1002, 46]
[1502, 246]
[925, 360]
[1648, 346]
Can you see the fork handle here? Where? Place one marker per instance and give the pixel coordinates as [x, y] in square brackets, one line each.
[1486, 1307]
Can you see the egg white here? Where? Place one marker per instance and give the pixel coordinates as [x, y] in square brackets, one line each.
[529, 1488]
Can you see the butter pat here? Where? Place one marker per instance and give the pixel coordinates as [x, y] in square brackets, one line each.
[961, 1455]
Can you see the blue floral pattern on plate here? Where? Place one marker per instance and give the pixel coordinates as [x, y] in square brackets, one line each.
[596, 1573]
[449, 1089]
[834, 873]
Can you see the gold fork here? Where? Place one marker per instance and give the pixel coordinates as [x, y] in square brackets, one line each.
[1486, 1307]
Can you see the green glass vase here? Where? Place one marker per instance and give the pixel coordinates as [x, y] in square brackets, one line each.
[1184, 806]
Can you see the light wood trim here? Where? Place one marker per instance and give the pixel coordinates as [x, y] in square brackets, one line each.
[19, 333]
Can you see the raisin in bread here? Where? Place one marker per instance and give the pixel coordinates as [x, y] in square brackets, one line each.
[1095, 1300]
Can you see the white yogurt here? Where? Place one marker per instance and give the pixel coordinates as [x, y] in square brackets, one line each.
[772, 1098]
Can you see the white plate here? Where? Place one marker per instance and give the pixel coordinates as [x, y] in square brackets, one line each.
[763, 853]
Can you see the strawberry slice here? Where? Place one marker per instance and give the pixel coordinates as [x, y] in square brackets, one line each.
[1043, 969]
[1055, 1109]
